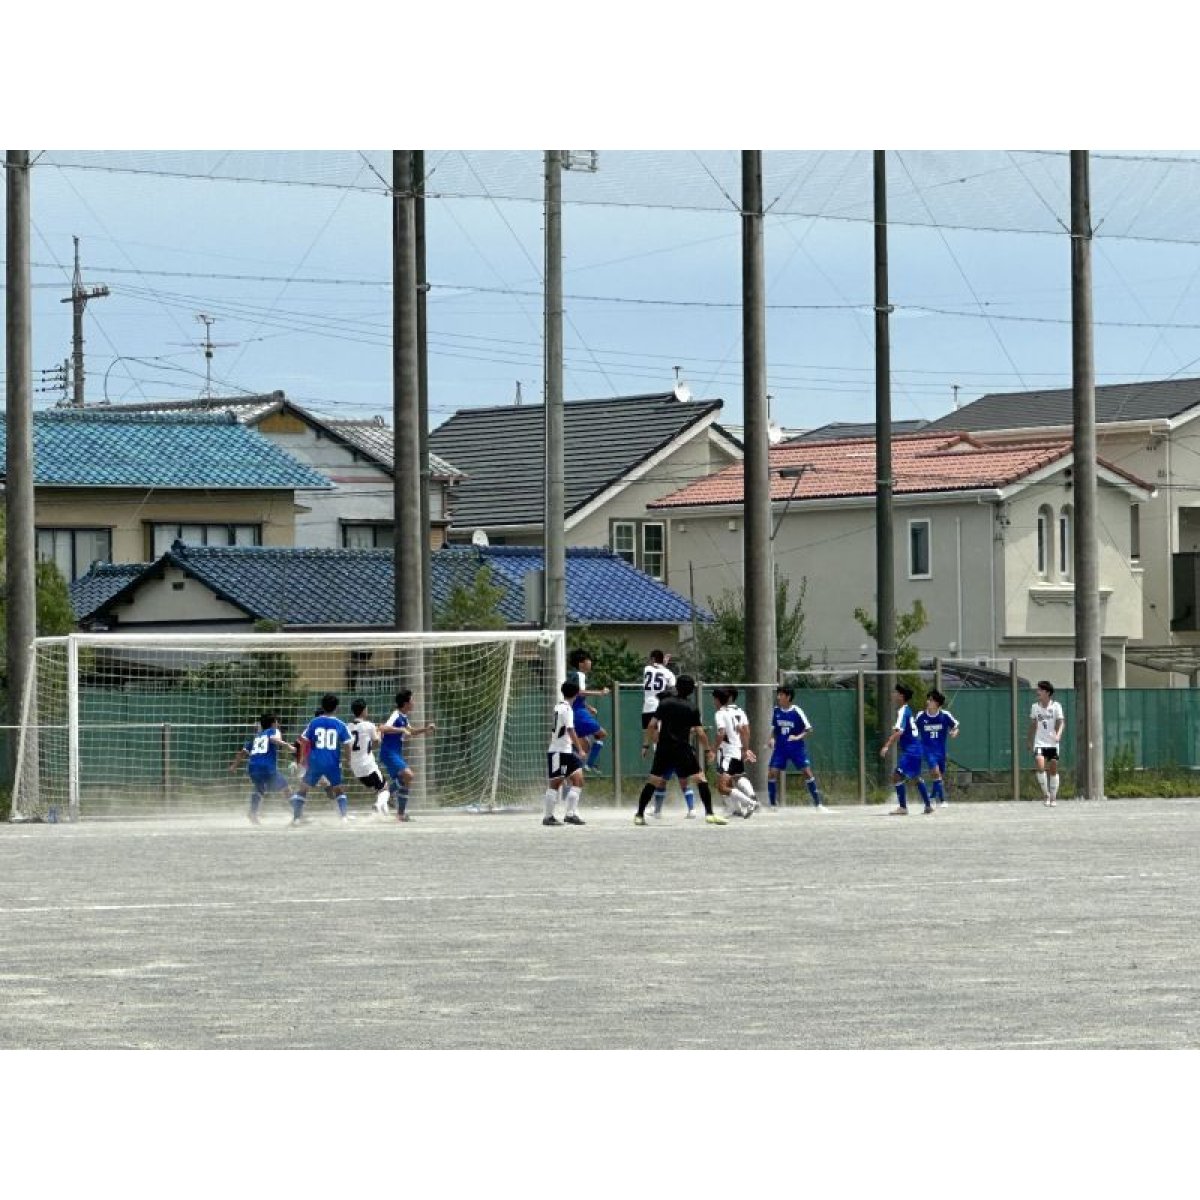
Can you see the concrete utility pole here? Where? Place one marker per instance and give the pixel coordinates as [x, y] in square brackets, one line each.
[885, 566]
[78, 301]
[21, 594]
[554, 537]
[423, 389]
[762, 660]
[406, 481]
[1089, 694]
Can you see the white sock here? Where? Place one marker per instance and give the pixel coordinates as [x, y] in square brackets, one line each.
[744, 786]
[572, 801]
[548, 802]
[382, 799]
[1054, 785]
[1041, 778]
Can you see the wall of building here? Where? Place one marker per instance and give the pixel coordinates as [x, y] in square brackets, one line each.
[128, 512]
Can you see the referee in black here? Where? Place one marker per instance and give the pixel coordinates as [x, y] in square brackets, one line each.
[675, 720]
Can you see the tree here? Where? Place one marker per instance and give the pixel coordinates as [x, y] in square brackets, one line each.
[908, 658]
[720, 649]
[54, 616]
[475, 607]
[613, 661]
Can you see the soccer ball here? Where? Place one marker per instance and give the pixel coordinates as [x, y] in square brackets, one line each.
[546, 639]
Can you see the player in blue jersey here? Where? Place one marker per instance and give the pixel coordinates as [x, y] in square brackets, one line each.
[393, 733]
[586, 724]
[261, 753]
[904, 735]
[936, 726]
[789, 729]
[323, 739]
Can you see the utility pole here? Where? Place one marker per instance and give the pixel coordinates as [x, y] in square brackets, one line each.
[762, 666]
[78, 301]
[554, 536]
[1089, 693]
[423, 388]
[20, 564]
[885, 587]
[408, 585]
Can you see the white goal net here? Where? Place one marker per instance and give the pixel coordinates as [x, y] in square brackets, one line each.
[123, 724]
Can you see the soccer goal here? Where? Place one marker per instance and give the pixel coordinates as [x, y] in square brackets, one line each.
[129, 724]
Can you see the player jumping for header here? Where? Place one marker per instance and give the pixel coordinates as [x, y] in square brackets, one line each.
[586, 724]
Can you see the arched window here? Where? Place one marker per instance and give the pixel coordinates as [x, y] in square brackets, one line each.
[1045, 547]
[1066, 532]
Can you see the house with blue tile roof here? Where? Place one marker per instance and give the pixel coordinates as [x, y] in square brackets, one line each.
[116, 487]
[207, 589]
[357, 455]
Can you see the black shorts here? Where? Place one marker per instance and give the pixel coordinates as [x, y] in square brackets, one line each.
[646, 719]
[728, 765]
[1049, 753]
[374, 781]
[560, 765]
[680, 759]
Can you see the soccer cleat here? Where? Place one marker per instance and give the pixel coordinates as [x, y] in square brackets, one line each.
[255, 819]
[403, 816]
[943, 803]
[715, 819]
[381, 807]
[639, 820]
[822, 808]
[551, 821]
[300, 821]
[691, 812]
[656, 812]
[899, 811]
[573, 819]
[927, 810]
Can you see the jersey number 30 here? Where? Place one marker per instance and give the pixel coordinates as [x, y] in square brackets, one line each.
[327, 739]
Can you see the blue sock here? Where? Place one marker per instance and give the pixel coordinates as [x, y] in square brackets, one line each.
[660, 794]
[902, 794]
[771, 785]
[343, 804]
[689, 798]
[813, 791]
[401, 797]
[938, 793]
[255, 801]
[594, 753]
[297, 805]
[923, 790]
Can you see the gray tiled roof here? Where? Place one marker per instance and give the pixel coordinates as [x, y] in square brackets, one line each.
[837, 430]
[1156, 399]
[375, 439]
[500, 451]
[247, 409]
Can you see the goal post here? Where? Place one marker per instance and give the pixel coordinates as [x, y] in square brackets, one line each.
[144, 724]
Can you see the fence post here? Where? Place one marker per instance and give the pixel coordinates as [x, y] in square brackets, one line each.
[616, 743]
[1014, 706]
[937, 674]
[166, 759]
[860, 688]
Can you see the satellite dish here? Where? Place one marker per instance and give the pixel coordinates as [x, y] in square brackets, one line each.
[774, 433]
[479, 538]
[682, 393]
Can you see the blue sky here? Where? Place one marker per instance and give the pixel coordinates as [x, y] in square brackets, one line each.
[651, 284]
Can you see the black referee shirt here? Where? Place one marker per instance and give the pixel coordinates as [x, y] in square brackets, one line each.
[676, 720]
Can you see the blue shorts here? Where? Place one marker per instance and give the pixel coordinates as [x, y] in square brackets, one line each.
[908, 764]
[393, 767]
[267, 781]
[789, 754]
[318, 770]
[585, 723]
[935, 759]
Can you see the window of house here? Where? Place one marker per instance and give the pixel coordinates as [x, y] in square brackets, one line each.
[74, 550]
[1045, 521]
[1064, 544]
[164, 533]
[1135, 532]
[642, 544]
[367, 536]
[919, 564]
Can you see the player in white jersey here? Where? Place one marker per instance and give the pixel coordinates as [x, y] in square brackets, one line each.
[733, 752]
[1046, 723]
[658, 680]
[364, 737]
[564, 760]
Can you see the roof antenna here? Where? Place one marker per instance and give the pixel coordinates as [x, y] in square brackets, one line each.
[681, 391]
[955, 387]
[517, 398]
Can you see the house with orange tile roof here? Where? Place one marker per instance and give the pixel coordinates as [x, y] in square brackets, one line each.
[982, 535]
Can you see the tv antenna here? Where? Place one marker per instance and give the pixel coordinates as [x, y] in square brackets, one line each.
[208, 346]
[682, 392]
